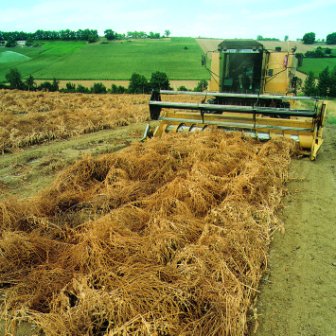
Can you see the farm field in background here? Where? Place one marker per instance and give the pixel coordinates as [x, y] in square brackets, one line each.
[180, 58]
[316, 65]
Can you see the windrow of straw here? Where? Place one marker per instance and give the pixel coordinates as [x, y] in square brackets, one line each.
[29, 118]
[168, 237]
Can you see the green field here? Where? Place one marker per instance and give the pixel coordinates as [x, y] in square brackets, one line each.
[180, 58]
[316, 65]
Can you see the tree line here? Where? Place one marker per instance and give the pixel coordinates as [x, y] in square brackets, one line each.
[320, 52]
[112, 35]
[323, 86]
[90, 35]
[261, 38]
[310, 38]
[138, 84]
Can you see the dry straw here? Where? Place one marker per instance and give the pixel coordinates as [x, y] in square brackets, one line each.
[29, 118]
[168, 237]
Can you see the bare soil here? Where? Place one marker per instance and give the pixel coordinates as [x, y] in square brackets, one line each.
[298, 295]
[27, 171]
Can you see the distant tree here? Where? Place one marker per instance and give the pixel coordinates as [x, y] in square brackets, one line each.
[317, 53]
[11, 43]
[45, 86]
[54, 85]
[82, 89]
[110, 34]
[299, 57]
[92, 38]
[286, 38]
[308, 38]
[30, 83]
[98, 88]
[167, 33]
[182, 88]
[331, 38]
[202, 85]
[118, 89]
[323, 83]
[29, 42]
[121, 36]
[152, 35]
[138, 84]
[137, 35]
[70, 87]
[159, 81]
[332, 92]
[309, 86]
[261, 38]
[14, 79]
[327, 51]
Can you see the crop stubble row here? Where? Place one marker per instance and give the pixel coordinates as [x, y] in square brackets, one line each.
[168, 237]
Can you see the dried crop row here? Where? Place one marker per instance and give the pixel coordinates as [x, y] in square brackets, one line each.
[168, 237]
[29, 118]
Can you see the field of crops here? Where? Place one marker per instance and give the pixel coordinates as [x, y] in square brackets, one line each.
[29, 118]
[167, 237]
[180, 58]
[316, 65]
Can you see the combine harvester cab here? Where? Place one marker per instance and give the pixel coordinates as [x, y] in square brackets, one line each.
[252, 91]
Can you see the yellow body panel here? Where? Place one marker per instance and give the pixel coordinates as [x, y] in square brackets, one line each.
[279, 72]
[215, 71]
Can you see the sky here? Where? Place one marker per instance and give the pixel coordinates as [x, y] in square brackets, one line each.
[194, 18]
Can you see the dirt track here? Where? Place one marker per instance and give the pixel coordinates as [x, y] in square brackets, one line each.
[299, 293]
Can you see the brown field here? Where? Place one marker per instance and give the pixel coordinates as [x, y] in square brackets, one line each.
[147, 241]
[29, 118]
[166, 237]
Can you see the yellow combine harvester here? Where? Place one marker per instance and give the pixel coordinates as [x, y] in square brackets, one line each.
[252, 91]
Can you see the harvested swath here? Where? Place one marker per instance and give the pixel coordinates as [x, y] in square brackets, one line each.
[168, 237]
[29, 118]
